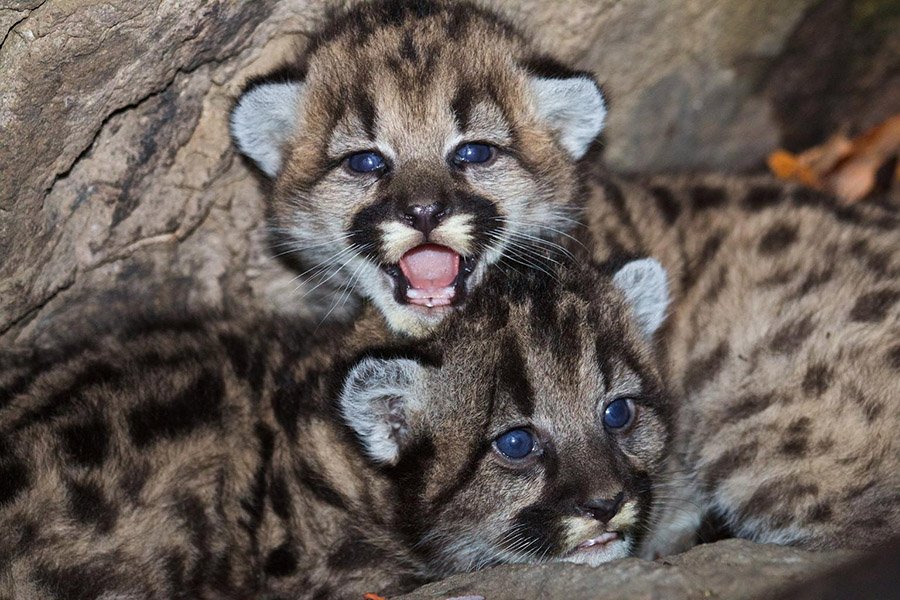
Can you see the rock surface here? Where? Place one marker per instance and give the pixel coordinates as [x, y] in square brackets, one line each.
[732, 569]
[118, 187]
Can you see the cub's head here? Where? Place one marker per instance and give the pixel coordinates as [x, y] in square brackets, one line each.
[530, 427]
[415, 143]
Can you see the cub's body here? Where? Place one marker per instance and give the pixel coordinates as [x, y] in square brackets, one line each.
[783, 344]
[232, 459]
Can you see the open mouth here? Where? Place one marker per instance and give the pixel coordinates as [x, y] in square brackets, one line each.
[430, 275]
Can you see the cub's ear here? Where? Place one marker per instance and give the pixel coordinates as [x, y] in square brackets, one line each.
[645, 287]
[378, 399]
[574, 107]
[263, 120]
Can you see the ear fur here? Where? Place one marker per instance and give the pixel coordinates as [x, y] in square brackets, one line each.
[378, 398]
[574, 107]
[645, 287]
[263, 119]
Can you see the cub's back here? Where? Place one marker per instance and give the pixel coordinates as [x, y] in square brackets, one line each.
[784, 342]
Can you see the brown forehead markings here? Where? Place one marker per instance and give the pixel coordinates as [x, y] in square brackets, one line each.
[462, 103]
[512, 376]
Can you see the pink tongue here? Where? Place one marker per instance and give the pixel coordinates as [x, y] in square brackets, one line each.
[430, 267]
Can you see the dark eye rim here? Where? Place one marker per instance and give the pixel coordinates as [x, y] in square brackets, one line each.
[633, 404]
[344, 161]
[462, 164]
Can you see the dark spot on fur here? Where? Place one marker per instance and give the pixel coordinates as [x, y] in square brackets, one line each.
[747, 406]
[760, 197]
[512, 377]
[777, 239]
[666, 203]
[817, 379]
[280, 497]
[86, 443]
[13, 481]
[539, 529]
[355, 553]
[408, 47]
[133, 480]
[774, 495]
[815, 278]
[778, 278]
[197, 406]
[873, 306]
[461, 105]
[707, 253]
[79, 582]
[89, 506]
[318, 484]
[893, 357]
[704, 197]
[704, 369]
[871, 408]
[821, 512]
[859, 490]
[791, 336]
[281, 561]
[796, 439]
[728, 462]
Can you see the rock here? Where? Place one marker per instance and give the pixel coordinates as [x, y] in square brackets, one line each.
[119, 190]
[732, 569]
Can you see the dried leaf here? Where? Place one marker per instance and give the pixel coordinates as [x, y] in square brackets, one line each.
[847, 168]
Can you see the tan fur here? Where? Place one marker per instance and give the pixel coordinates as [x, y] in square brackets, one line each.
[413, 87]
[209, 459]
[784, 347]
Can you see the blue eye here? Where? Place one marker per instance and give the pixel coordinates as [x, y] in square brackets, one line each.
[515, 444]
[365, 162]
[474, 153]
[618, 413]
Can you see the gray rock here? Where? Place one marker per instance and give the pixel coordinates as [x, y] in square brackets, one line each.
[731, 569]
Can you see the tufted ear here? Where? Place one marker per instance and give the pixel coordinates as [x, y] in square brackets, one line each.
[645, 287]
[378, 398]
[263, 120]
[574, 107]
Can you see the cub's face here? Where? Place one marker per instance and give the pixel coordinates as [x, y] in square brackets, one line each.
[415, 145]
[532, 429]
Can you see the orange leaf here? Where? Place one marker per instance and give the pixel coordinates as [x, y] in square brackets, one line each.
[373, 597]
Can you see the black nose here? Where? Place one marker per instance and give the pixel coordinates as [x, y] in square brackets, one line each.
[602, 509]
[425, 218]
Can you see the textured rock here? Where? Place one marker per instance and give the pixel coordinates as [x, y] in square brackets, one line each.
[733, 569]
[118, 187]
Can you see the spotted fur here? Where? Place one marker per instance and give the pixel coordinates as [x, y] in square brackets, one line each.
[227, 459]
[782, 346]
[413, 80]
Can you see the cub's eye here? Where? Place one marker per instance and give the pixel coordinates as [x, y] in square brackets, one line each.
[473, 153]
[515, 444]
[618, 413]
[365, 162]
